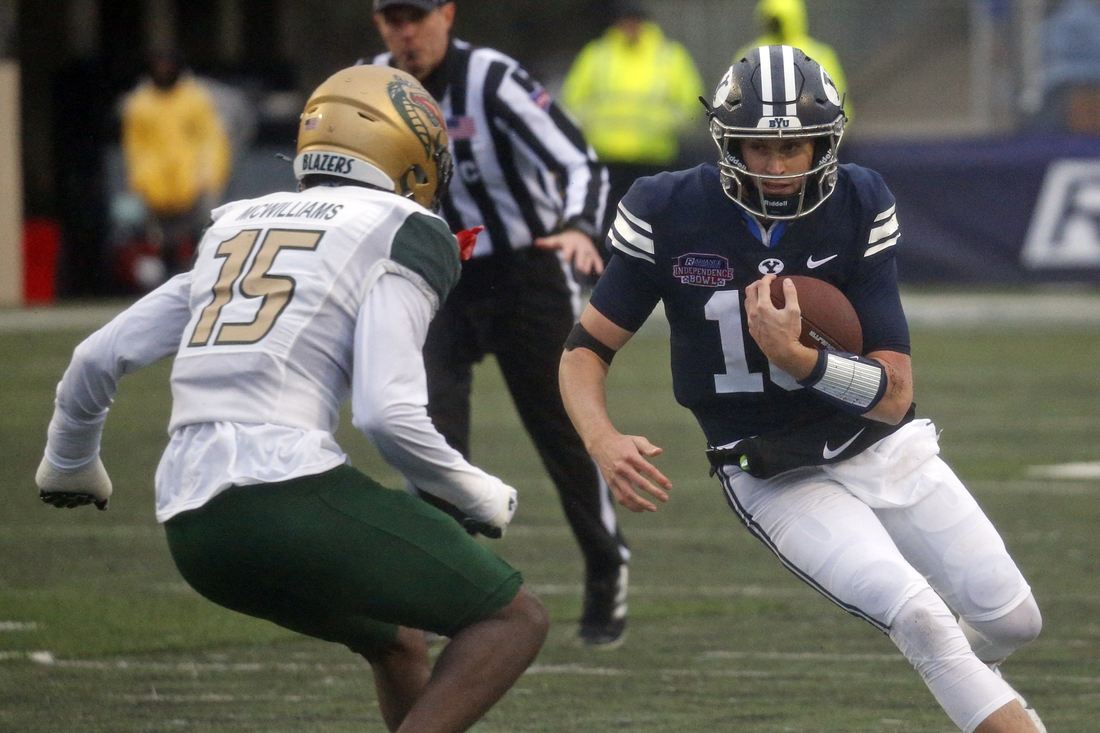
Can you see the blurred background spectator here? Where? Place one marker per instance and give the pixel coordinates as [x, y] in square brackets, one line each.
[177, 163]
[1071, 82]
[634, 93]
[785, 22]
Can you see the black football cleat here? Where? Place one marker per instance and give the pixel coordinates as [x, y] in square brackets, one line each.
[603, 621]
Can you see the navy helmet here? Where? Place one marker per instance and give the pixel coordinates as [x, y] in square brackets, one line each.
[777, 92]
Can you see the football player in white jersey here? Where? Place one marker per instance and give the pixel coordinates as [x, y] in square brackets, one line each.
[297, 301]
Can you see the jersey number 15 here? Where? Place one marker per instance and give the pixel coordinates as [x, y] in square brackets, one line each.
[275, 290]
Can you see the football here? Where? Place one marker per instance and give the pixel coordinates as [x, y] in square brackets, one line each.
[828, 320]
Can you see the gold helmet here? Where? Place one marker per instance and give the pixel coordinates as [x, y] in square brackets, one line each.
[379, 126]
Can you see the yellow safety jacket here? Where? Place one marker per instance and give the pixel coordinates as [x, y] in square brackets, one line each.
[174, 145]
[789, 17]
[632, 100]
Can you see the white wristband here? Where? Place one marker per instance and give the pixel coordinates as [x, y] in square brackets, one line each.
[853, 383]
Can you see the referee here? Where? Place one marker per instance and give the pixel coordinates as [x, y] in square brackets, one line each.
[523, 172]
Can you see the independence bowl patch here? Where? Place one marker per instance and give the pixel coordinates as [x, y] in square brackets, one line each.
[707, 271]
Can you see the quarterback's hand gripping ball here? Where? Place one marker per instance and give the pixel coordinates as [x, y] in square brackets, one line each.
[828, 319]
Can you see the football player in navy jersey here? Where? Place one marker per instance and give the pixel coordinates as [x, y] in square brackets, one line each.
[819, 453]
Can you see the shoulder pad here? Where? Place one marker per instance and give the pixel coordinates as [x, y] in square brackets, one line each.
[426, 246]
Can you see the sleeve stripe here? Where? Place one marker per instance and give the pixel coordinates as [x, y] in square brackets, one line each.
[884, 231]
[625, 233]
[506, 156]
[634, 220]
[886, 214]
[627, 249]
[879, 247]
[554, 140]
[537, 170]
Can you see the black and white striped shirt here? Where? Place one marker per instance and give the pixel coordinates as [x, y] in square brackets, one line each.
[522, 167]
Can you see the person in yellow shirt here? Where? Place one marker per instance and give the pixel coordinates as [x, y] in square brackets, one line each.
[634, 92]
[177, 157]
[784, 22]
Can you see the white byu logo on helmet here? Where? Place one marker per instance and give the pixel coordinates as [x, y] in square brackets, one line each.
[1065, 228]
[830, 88]
[723, 90]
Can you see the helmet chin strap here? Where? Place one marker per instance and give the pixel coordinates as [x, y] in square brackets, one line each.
[770, 207]
[781, 206]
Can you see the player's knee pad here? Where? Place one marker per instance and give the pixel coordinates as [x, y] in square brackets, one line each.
[994, 639]
[926, 632]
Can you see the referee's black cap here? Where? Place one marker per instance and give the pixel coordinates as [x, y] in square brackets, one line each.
[426, 5]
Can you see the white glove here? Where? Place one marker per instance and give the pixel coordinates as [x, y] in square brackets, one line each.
[493, 528]
[89, 484]
[504, 516]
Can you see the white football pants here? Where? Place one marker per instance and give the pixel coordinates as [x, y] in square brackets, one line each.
[902, 568]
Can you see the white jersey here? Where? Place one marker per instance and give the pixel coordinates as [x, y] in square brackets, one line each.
[295, 301]
[275, 295]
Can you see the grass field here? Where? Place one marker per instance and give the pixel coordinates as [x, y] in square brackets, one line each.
[98, 633]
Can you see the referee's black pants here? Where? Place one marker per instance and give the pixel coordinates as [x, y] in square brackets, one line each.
[517, 306]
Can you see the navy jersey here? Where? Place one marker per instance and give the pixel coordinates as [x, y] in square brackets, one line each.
[679, 239]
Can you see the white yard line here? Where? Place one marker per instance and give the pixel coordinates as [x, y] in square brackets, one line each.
[192, 669]
[1089, 471]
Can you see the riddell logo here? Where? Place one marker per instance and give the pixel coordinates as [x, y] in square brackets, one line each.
[1065, 228]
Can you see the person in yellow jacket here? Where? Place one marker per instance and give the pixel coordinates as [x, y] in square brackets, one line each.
[634, 92]
[177, 157]
[784, 22]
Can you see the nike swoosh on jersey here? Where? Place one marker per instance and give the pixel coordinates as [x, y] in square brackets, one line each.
[812, 263]
[828, 454]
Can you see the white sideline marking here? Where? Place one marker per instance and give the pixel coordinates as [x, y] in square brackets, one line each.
[580, 670]
[18, 626]
[1066, 471]
[1075, 308]
[1072, 308]
[58, 318]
